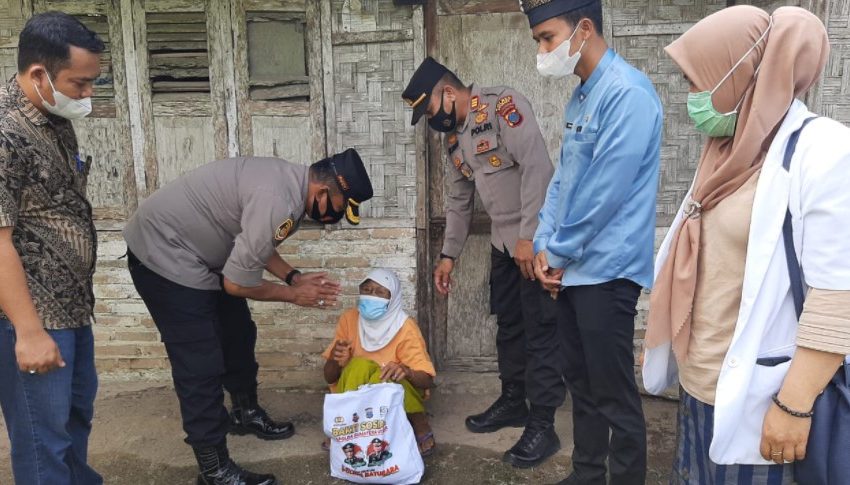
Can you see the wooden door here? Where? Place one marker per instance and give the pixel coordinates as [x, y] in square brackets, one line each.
[490, 44]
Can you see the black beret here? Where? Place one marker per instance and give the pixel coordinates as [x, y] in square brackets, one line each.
[541, 10]
[418, 90]
[353, 180]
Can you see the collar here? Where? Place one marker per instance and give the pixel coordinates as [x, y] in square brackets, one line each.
[474, 98]
[24, 105]
[598, 72]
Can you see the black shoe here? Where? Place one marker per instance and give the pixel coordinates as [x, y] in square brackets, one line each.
[510, 410]
[248, 417]
[536, 444]
[218, 469]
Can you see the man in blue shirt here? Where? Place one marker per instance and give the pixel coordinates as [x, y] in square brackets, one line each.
[594, 243]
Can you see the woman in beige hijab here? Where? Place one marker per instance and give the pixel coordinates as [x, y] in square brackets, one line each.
[722, 316]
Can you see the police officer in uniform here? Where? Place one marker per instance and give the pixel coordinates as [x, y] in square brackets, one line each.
[197, 249]
[495, 147]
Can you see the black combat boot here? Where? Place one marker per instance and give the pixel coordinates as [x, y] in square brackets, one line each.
[538, 441]
[247, 417]
[218, 469]
[509, 410]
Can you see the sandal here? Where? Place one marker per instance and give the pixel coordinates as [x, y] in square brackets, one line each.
[421, 440]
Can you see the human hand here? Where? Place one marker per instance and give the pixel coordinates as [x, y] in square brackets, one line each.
[524, 258]
[36, 351]
[313, 293]
[316, 279]
[442, 275]
[342, 353]
[783, 436]
[393, 371]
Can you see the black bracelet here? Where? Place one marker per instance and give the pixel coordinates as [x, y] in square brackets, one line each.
[796, 414]
[290, 276]
[445, 256]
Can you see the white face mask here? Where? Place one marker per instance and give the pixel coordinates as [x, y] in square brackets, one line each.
[559, 62]
[66, 107]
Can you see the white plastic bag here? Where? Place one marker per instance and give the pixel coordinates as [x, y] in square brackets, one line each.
[371, 438]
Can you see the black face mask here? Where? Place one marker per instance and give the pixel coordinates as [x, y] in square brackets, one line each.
[329, 212]
[442, 121]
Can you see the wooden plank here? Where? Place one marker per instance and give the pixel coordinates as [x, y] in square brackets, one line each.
[174, 6]
[421, 136]
[471, 329]
[72, 7]
[314, 27]
[140, 58]
[348, 38]
[180, 86]
[99, 138]
[282, 137]
[182, 106]
[279, 108]
[183, 143]
[122, 109]
[138, 117]
[280, 92]
[221, 78]
[328, 78]
[279, 5]
[241, 77]
[473, 7]
[640, 30]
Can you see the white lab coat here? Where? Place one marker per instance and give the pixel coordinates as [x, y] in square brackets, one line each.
[817, 189]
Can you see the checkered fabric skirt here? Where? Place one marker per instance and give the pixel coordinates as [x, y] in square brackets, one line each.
[692, 465]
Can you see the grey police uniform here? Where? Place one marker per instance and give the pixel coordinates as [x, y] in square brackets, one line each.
[224, 218]
[204, 225]
[500, 152]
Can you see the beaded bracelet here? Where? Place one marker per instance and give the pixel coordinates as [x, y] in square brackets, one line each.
[796, 414]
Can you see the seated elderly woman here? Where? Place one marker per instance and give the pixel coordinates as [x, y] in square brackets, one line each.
[378, 342]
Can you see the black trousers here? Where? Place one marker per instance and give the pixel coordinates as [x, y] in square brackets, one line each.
[209, 337]
[596, 323]
[527, 337]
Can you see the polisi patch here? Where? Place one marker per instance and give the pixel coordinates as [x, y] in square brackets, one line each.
[482, 128]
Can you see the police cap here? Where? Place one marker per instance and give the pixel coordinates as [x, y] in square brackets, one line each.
[418, 90]
[348, 447]
[353, 181]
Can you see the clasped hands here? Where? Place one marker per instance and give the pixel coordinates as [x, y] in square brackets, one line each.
[390, 371]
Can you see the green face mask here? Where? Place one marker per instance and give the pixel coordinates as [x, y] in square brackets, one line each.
[707, 120]
[701, 109]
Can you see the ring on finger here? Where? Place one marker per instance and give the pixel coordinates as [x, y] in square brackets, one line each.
[33, 372]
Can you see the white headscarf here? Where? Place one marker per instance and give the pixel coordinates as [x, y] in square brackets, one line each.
[376, 334]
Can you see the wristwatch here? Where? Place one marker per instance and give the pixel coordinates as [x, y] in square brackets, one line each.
[290, 276]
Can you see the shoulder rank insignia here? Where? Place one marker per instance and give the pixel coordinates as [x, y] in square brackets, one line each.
[503, 101]
[482, 146]
[473, 103]
[481, 117]
[495, 161]
[282, 230]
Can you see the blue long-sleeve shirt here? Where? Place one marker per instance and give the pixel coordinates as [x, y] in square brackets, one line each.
[598, 220]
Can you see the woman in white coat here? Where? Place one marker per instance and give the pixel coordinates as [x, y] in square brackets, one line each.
[722, 322]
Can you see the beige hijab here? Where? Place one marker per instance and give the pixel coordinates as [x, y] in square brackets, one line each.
[791, 58]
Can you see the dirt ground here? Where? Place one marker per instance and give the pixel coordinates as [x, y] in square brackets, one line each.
[137, 439]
